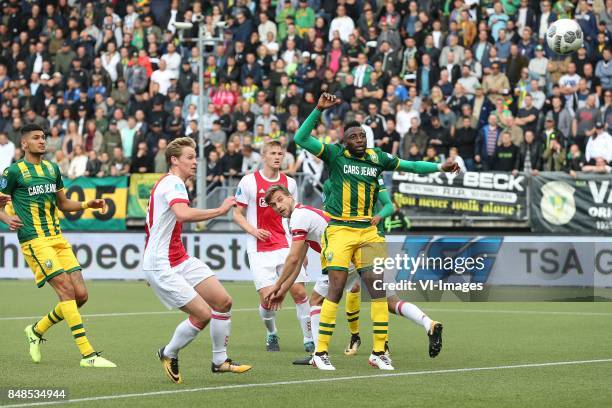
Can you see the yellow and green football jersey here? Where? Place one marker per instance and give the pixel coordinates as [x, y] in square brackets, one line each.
[32, 188]
[353, 184]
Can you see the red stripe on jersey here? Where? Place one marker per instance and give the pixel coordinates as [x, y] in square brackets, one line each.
[176, 251]
[267, 219]
[152, 209]
[315, 210]
[241, 204]
[178, 200]
[299, 234]
[300, 302]
[298, 238]
[314, 245]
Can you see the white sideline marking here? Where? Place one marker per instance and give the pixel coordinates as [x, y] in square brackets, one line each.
[316, 380]
[254, 309]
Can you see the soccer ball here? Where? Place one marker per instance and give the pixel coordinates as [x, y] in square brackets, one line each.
[564, 36]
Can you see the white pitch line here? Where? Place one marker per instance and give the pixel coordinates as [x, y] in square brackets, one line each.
[316, 380]
[121, 314]
[542, 312]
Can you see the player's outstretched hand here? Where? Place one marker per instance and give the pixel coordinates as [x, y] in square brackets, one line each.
[227, 204]
[262, 234]
[15, 223]
[275, 297]
[327, 100]
[98, 203]
[450, 167]
[4, 199]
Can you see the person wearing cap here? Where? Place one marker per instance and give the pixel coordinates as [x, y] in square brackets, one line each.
[63, 58]
[599, 146]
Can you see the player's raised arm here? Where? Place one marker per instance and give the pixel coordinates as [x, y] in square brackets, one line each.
[423, 167]
[184, 213]
[387, 209]
[303, 136]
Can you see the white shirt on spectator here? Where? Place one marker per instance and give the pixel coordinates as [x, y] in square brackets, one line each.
[344, 25]
[163, 79]
[128, 21]
[109, 62]
[601, 146]
[543, 25]
[7, 152]
[173, 63]
[78, 165]
[403, 119]
[266, 27]
[569, 80]
[251, 163]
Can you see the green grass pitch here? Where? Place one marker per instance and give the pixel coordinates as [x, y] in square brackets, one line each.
[513, 341]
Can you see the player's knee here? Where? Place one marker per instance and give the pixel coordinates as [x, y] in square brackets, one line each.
[298, 291]
[202, 316]
[316, 299]
[224, 305]
[81, 298]
[63, 287]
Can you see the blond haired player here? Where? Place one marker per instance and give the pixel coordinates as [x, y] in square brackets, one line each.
[181, 281]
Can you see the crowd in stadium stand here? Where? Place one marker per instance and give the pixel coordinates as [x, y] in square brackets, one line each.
[473, 80]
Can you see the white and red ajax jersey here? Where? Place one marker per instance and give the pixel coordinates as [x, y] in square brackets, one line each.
[163, 247]
[308, 223]
[250, 194]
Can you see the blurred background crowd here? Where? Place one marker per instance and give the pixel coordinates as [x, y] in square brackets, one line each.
[471, 80]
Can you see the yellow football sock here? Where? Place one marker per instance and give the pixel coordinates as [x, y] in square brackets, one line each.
[380, 320]
[73, 318]
[353, 304]
[327, 323]
[53, 317]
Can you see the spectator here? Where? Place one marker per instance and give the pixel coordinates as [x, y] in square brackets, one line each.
[599, 146]
[416, 136]
[78, 164]
[464, 142]
[554, 156]
[603, 70]
[453, 155]
[251, 160]
[486, 143]
[93, 166]
[119, 164]
[506, 157]
[583, 124]
[214, 175]
[159, 161]
[496, 83]
[142, 162]
[112, 138]
[389, 141]
[7, 151]
[232, 160]
[530, 155]
[62, 161]
[128, 134]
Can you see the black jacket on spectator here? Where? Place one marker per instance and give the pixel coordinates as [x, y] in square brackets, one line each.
[506, 158]
[535, 153]
[232, 161]
[465, 142]
[145, 161]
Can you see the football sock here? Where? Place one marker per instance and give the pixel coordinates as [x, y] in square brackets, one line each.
[53, 317]
[412, 312]
[73, 318]
[327, 323]
[185, 332]
[380, 323]
[353, 304]
[303, 314]
[220, 327]
[269, 318]
[315, 316]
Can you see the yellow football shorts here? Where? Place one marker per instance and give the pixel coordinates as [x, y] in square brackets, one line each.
[346, 242]
[48, 257]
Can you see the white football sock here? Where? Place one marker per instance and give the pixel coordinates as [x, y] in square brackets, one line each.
[412, 312]
[269, 319]
[315, 317]
[303, 314]
[220, 327]
[185, 332]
